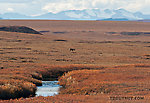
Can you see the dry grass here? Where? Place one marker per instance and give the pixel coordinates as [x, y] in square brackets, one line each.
[21, 82]
[12, 88]
[123, 80]
[101, 66]
[98, 85]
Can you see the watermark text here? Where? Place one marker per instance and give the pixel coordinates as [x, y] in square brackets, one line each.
[126, 98]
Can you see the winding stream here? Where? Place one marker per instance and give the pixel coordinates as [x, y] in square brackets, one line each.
[48, 88]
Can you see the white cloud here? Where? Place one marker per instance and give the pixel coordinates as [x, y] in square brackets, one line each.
[10, 9]
[69, 5]
[34, 7]
[131, 5]
[62, 6]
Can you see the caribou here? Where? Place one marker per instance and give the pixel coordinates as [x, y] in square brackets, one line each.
[71, 49]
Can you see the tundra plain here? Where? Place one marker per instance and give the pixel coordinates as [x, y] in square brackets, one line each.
[94, 61]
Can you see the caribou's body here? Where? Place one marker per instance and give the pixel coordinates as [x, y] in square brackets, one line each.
[71, 49]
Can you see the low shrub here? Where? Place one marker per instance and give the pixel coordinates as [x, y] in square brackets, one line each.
[10, 89]
[22, 82]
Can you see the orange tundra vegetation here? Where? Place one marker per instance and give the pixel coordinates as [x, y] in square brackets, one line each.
[22, 82]
[92, 60]
[96, 84]
[121, 80]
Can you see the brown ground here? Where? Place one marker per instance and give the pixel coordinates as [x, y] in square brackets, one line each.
[94, 44]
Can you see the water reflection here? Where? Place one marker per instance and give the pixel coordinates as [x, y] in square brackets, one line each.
[48, 88]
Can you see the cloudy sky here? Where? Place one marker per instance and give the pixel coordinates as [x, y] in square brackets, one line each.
[37, 7]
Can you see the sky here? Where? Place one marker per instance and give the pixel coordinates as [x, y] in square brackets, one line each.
[38, 7]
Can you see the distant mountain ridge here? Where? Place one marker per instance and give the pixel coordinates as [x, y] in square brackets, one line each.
[115, 19]
[86, 14]
[14, 16]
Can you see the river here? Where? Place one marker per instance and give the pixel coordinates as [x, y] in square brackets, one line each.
[48, 88]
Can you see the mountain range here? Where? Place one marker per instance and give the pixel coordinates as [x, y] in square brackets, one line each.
[86, 14]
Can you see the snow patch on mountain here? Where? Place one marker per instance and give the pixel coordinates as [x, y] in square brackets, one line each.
[86, 14]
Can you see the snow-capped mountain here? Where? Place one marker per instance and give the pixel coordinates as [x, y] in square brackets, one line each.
[86, 14]
[93, 14]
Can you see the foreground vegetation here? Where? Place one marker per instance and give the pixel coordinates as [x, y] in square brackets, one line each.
[85, 83]
[94, 61]
[22, 82]
[121, 80]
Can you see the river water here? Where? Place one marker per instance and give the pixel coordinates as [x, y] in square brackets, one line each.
[48, 88]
